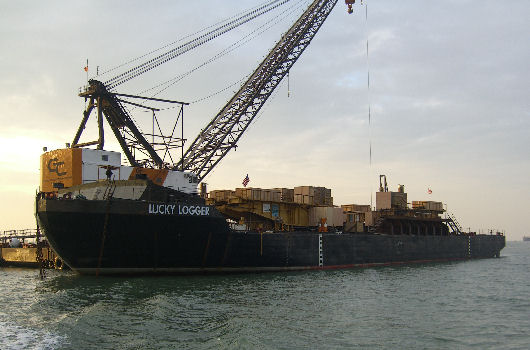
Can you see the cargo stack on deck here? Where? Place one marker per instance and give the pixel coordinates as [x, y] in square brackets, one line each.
[311, 208]
[279, 209]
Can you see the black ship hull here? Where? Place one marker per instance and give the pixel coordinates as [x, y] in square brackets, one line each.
[140, 237]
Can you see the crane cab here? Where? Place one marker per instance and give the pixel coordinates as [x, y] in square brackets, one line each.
[68, 167]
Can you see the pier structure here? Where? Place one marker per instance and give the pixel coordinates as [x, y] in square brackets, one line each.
[19, 248]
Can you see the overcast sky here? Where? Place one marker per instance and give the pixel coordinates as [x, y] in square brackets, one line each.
[449, 97]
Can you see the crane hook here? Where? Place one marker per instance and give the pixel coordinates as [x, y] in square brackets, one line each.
[350, 4]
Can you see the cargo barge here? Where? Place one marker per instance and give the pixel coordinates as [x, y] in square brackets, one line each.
[135, 226]
[147, 217]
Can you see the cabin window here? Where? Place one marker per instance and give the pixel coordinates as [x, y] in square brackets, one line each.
[105, 157]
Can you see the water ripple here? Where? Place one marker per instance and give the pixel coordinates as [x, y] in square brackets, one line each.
[480, 304]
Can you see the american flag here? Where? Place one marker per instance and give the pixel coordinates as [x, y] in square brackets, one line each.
[246, 180]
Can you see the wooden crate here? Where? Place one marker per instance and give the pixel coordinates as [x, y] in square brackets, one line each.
[305, 190]
[355, 208]
[286, 194]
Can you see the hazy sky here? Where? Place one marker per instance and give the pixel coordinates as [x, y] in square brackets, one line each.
[449, 96]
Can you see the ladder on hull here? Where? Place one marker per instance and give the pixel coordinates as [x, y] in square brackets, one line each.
[453, 224]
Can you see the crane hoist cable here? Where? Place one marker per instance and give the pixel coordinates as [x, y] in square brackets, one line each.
[179, 40]
[244, 40]
[202, 39]
[237, 44]
[368, 98]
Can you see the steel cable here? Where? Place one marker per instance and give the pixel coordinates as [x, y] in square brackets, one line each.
[179, 40]
[244, 40]
[171, 54]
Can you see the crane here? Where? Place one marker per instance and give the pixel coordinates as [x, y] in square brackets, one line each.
[226, 128]
[224, 131]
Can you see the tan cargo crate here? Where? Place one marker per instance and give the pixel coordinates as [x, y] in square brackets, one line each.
[287, 194]
[428, 205]
[355, 208]
[299, 198]
[328, 201]
[417, 205]
[334, 216]
[266, 195]
[239, 192]
[308, 200]
[305, 190]
[248, 193]
[221, 195]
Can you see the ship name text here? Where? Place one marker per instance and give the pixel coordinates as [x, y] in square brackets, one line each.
[177, 209]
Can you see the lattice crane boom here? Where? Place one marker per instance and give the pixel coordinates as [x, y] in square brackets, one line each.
[225, 130]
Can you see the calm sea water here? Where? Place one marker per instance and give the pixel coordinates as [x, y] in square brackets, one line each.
[481, 304]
